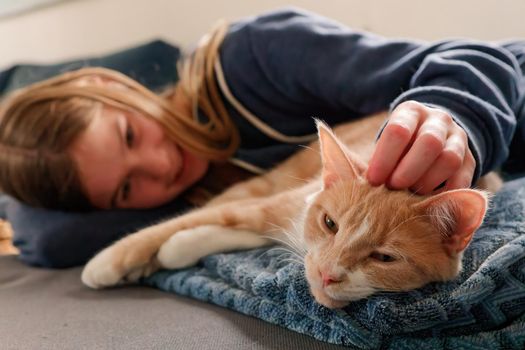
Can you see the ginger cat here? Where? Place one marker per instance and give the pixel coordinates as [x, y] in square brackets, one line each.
[356, 239]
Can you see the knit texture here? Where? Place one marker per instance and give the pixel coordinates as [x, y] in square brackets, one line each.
[483, 308]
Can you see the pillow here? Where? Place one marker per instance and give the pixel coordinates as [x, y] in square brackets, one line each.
[62, 239]
[153, 64]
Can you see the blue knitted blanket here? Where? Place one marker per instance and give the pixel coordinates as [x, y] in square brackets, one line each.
[483, 308]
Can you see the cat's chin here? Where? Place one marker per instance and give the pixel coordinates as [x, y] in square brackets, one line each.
[322, 298]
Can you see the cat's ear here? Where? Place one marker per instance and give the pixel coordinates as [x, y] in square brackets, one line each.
[338, 163]
[457, 214]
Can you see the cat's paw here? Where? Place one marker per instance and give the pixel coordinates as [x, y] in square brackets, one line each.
[100, 272]
[184, 248]
[124, 262]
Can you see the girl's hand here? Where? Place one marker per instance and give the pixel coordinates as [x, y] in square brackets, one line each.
[421, 148]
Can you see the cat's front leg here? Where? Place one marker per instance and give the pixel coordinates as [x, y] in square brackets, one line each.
[126, 260]
[189, 246]
[135, 256]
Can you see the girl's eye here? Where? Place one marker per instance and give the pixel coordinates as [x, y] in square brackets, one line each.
[330, 224]
[125, 190]
[130, 135]
[382, 257]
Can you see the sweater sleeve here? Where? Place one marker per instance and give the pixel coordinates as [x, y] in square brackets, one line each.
[311, 63]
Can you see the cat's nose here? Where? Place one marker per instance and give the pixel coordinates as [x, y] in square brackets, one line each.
[328, 278]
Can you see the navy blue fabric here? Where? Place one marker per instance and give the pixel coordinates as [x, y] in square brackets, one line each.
[483, 308]
[153, 64]
[288, 66]
[59, 239]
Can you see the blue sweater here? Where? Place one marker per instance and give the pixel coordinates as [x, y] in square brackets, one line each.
[288, 66]
[283, 68]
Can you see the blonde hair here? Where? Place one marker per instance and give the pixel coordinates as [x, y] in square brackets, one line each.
[38, 123]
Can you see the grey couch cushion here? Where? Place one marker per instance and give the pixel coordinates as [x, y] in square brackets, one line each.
[51, 309]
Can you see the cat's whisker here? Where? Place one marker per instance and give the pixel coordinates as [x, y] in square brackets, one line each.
[292, 240]
[263, 254]
[274, 225]
[311, 149]
[289, 251]
[296, 235]
[290, 255]
[289, 245]
[284, 250]
[275, 230]
[297, 178]
[301, 250]
[291, 187]
[286, 255]
[293, 261]
[286, 244]
[300, 246]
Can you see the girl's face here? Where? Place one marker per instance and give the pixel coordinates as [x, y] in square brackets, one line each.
[125, 160]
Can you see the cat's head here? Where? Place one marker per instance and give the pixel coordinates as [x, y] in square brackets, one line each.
[362, 239]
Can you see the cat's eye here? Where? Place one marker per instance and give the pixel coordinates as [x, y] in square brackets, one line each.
[382, 257]
[330, 224]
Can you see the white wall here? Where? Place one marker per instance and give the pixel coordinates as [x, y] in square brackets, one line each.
[86, 27]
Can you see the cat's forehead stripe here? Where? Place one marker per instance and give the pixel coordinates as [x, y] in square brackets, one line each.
[362, 229]
[357, 233]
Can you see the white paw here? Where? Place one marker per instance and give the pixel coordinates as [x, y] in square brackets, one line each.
[186, 248]
[182, 249]
[108, 268]
[100, 271]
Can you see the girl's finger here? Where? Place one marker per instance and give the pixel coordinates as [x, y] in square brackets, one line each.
[391, 146]
[463, 177]
[426, 148]
[446, 165]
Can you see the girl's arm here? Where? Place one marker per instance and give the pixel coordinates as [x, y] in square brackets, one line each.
[291, 65]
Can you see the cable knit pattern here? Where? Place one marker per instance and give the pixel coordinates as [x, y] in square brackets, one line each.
[483, 308]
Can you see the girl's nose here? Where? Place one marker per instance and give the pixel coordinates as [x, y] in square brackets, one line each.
[155, 163]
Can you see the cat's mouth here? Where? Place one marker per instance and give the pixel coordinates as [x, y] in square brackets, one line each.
[338, 296]
[324, 299]
[320, 293]
[335, 295]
